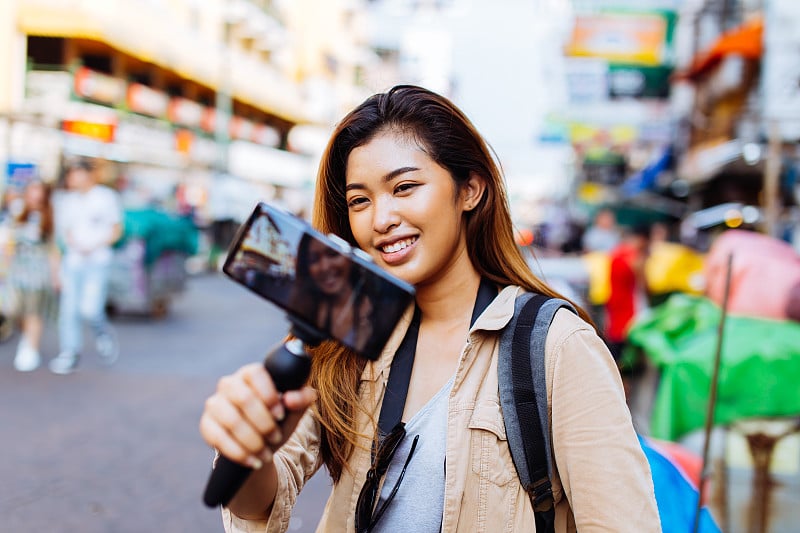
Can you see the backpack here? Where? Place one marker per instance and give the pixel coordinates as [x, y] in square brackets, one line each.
[523, 399]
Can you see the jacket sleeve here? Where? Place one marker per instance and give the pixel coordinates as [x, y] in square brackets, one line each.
[296, 461]
[601, 465]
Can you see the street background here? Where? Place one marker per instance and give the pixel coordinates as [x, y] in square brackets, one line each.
[677, 121]
[118, 449]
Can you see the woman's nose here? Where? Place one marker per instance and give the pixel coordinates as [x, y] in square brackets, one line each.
[386, 216]
[323, 263]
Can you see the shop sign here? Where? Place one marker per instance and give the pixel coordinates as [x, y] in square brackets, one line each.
[18, 175]
[638, 81]
[241, 128]
[94, 130]
[591, 80]
[99, 87]
[47, 91]
[781, 82]
[626, 37]
[183, 141]
[147, 101]
[145, 132]
[307, 139]
[781, 68]
[587, 79]
[269, 165]
[208, 122]
[185, 112]
[204, 151]
[266, 135]
[554, 129]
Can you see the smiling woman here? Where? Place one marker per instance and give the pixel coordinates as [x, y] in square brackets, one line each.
[407, 179]
[330, 288]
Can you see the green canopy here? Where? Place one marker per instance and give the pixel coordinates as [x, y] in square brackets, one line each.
[759, 370]
[161, 232]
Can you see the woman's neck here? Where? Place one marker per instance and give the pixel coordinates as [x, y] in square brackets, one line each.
[449, 299]
[341, 298]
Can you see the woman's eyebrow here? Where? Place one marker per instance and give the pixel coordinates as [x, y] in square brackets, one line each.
[386, 178]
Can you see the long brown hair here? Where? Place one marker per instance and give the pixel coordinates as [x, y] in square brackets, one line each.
[45, 210]
[448, 137]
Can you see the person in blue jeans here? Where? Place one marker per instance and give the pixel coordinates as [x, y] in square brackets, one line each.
[88, 223]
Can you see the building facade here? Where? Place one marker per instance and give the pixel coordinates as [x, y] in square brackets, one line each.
[183, 103]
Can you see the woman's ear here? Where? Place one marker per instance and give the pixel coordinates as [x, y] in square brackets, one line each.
[472, 191]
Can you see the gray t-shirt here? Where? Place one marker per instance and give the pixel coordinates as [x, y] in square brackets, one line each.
[419, 502]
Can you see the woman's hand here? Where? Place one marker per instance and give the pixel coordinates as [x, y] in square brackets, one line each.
[247, 419]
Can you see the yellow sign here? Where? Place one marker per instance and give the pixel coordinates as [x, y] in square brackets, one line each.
[95, 130]
[620, 37]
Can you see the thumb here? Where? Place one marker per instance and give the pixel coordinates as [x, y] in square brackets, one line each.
[296, 402]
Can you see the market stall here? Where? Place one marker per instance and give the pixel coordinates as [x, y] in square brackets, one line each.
[149, 262]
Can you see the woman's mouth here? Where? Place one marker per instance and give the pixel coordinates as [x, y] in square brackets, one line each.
[398, 250]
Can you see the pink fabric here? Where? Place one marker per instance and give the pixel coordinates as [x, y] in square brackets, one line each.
[689, 463]
[764, 272]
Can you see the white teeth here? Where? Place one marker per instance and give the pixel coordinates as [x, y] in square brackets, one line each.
[397, 246]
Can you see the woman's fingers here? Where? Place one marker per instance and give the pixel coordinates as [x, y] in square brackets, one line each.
[262, 383]
[297, 400]
[258, 379]
[244, 414]
[225, 444]
[235, 423]
[239, 412]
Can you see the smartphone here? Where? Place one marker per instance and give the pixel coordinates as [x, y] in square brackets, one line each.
[320, 280]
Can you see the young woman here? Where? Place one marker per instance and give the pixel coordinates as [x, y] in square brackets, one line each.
[408, 179]
[33, 271]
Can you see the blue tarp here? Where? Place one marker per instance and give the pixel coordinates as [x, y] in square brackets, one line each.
[676, 495]
[645, 179]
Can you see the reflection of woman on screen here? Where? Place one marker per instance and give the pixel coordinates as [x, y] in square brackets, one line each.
[330, 291]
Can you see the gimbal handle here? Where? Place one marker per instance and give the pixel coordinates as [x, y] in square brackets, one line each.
[288, 365]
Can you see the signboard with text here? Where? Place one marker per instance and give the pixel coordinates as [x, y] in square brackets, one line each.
[781, 67]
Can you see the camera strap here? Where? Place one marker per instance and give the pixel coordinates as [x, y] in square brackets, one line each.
[394, 400]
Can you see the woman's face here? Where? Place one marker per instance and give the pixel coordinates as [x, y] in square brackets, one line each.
[404, 210]
[34, 196]
[329, 269]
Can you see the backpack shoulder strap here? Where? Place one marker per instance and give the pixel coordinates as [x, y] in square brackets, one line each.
[523, 398]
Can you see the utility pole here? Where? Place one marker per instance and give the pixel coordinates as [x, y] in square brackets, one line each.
[771, 202]
[223, 105]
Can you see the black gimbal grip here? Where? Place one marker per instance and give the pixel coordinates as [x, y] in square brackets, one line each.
[289, 367]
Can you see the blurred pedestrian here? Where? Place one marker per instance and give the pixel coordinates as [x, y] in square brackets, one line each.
[11, 206]
[627, 287]
[603, 234]
[88, 223]
[33, 271]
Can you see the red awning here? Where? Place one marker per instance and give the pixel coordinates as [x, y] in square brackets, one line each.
[745, 41]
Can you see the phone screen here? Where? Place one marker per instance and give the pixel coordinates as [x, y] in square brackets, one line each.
[317, 279]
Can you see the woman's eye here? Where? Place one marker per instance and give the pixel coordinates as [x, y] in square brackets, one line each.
[405, 187]
[356, 202]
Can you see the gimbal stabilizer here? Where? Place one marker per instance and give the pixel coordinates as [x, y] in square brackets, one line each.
[289, 366]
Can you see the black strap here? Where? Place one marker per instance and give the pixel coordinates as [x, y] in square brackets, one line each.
[540, 490]
[394, 401]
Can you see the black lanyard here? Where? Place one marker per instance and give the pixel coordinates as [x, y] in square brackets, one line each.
[394, 401]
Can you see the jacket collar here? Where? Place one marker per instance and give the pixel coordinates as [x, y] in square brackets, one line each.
[499, 312]
[494, 318]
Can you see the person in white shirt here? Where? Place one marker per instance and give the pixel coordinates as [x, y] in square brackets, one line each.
[88, 223]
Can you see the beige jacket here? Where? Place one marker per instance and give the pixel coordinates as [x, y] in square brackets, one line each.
[603, 480]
